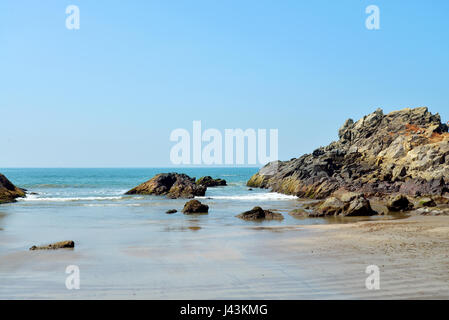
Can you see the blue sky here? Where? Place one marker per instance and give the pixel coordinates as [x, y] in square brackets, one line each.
[109, 94]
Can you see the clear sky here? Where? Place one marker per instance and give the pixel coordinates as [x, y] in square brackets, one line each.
[110, 93]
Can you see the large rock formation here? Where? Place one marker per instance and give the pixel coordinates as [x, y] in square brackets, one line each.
[403, 152]
[172, 185]
[8, 191]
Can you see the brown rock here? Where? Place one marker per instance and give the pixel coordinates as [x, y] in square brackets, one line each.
[194, 206]
[8, 191]
[57, 245]
[208, 181]
[348, 204]
[257, 213]
[172, 185]
[299, 212]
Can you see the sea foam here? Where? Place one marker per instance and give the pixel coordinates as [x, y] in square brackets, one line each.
[266, 196]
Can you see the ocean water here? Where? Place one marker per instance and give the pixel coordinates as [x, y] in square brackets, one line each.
[128, 247]
[95, 192]
[85, 185]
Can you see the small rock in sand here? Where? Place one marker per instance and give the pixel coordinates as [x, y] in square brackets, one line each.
[69, 244]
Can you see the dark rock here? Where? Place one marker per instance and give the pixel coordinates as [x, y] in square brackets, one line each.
[399, 203]
[8, 191]
[58, 245]
[194, 206]
[171, 211]
[208, 181]
[257, 213]
[173, 185]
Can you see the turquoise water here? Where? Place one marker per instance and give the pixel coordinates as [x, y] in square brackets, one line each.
[55, 189]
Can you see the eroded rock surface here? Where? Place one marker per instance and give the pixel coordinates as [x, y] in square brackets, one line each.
[172, 185]
[404, 152]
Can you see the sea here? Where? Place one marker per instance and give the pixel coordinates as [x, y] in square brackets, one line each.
[127, 246]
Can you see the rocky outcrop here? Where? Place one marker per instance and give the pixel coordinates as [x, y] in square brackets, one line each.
[405, 152]
[8, 191]
[208, 181]
[257, 213]
[172, 185]
[194, 206]
[69, 244]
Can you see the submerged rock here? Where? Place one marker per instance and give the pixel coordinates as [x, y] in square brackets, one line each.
[194, 206]
[57, 245]
[405, 151]
[171, 211]
[172, 185]
[257, 213]
[8, 191]
[208, 181]
[299, 212]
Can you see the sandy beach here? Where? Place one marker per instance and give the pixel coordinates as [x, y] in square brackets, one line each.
[254, 261]
[412, 254]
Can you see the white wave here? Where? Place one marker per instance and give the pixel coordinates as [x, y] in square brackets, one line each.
[68, 199]
[112, 205]
[266, 196]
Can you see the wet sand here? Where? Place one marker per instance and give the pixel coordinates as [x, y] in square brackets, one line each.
[412, 255]
[252, 261]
